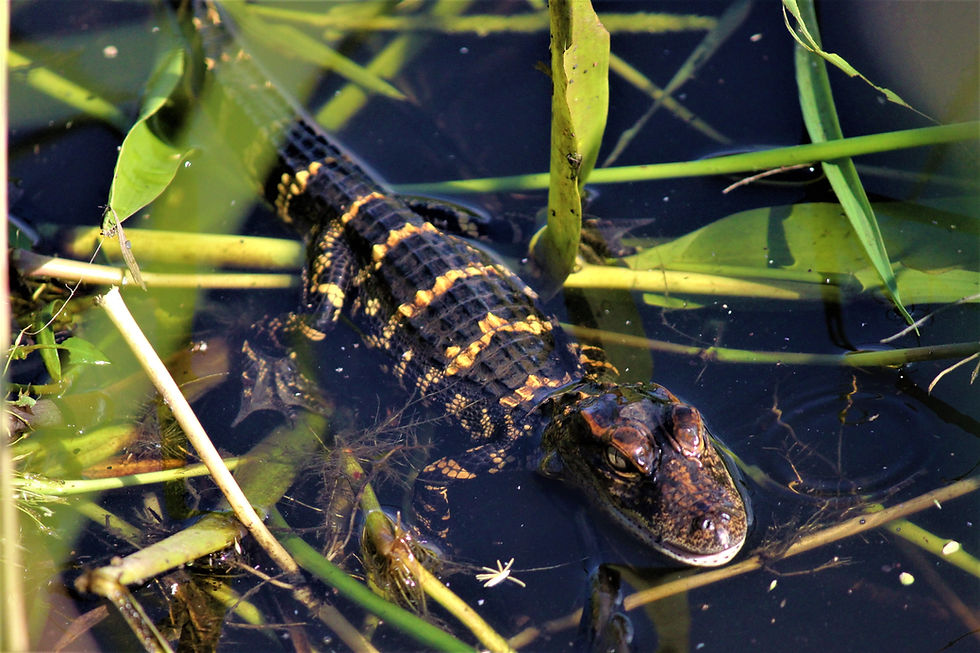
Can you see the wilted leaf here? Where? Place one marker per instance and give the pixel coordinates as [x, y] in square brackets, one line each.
[808, 38]
[820, 116]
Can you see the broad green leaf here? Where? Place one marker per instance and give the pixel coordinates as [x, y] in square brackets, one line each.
[808, 38]
[146, 163]
[812, 245]
[820, 116]
[580, 99]
[83, 352]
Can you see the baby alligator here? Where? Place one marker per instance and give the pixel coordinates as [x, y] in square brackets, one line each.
[467, 334]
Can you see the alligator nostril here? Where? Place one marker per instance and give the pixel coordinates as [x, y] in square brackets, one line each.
[715, 528]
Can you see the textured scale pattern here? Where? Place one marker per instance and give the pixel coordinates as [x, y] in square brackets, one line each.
[467, 334]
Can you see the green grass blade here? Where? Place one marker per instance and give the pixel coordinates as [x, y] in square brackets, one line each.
[311, 560]
[820, 116]
[349, 100]
[65, 90]
[733, 18]
[723, 165]
[643, 84]
[296, 43]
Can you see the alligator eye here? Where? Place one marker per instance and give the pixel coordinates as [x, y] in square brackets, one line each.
[688, 430]
[618, 461]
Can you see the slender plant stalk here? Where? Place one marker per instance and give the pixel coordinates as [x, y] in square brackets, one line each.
[69, 487]
[722, 354]
[155, 369]
[311, 560]
[483, 24]
[942, 548]
[723, 165]
[119, 314]
[38, 266]
[860, 524]
[379, 527]
[65, 90]
[13, 632]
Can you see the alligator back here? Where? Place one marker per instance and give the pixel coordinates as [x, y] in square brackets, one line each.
[466, 333]
[459, 328]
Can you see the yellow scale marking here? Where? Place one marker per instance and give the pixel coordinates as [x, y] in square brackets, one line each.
[395, 236]
[292, 185]
[441, 286]
[533, 383]
[462, 358]
[356, 205]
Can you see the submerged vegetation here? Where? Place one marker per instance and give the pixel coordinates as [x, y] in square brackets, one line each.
[107, 390]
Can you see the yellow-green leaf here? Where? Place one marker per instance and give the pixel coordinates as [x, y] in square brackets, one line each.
[579, 70]
[812, 245]
[146, 164]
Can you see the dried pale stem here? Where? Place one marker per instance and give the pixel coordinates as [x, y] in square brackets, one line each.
[378, 527]
[13, 617]
[119, 314]
[38, 266]
[155, 369]
[852, 526]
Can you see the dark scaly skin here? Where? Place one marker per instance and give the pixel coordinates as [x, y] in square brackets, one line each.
[467, 334]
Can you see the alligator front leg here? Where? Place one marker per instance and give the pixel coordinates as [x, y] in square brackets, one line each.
[431, 493]
[326, 280]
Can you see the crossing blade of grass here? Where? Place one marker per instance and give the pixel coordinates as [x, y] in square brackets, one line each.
[57, 86]
[296, 43]
[820, 116]
[723, 165]
[733, 17]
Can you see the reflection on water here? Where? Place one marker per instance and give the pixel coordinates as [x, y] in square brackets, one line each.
[841, 434]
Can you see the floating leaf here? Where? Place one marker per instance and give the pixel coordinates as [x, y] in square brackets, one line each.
[812, 245]
[579, 71]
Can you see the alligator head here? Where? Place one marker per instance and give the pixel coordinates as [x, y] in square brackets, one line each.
[645, 458]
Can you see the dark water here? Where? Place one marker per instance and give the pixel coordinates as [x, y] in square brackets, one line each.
[823, 437]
